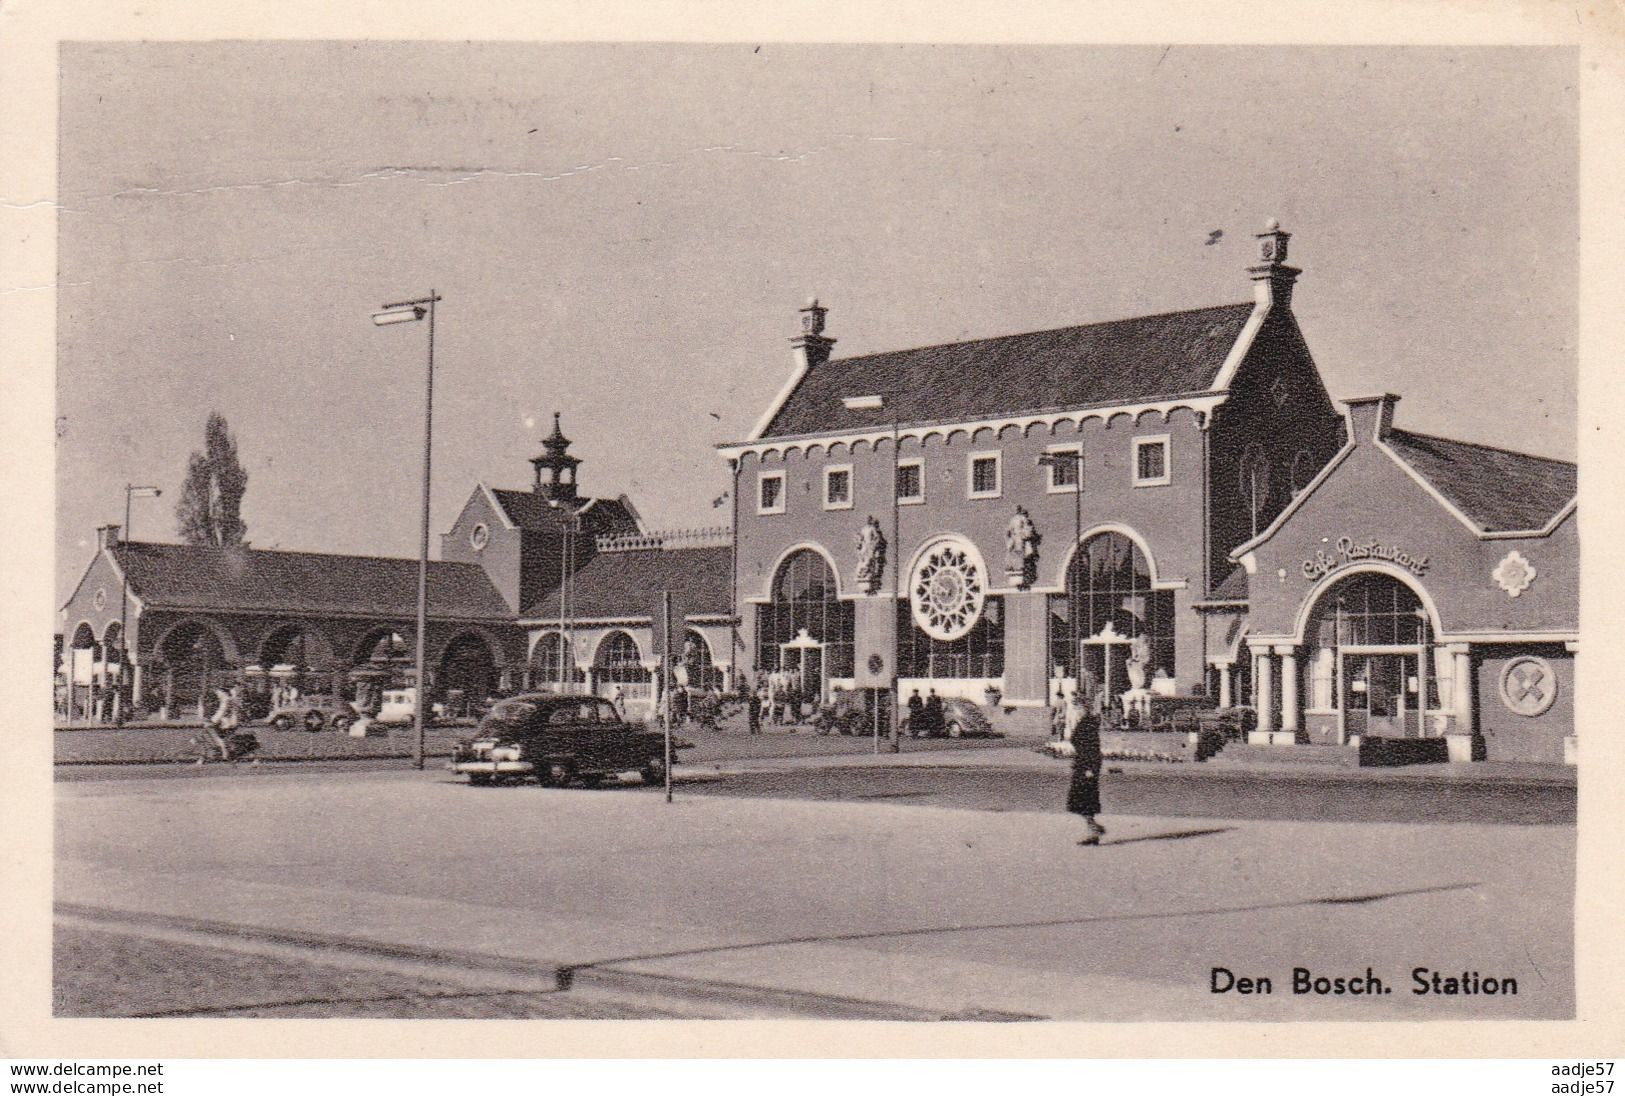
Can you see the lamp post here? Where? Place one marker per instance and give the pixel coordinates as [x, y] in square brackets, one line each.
[1073, 460]
[567, 594]
[125, 669]
[410, 312]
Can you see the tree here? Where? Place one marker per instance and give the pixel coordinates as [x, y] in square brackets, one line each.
[210, 507]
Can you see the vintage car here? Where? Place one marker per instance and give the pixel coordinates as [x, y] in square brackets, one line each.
[960, 719]
[559, 740]
[313, 713]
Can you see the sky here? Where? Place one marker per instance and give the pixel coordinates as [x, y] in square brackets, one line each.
[623, 233]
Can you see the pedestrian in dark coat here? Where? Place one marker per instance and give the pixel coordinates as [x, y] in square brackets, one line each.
[916, 714]
[753, 712]
[935, 718]
[1083, 796]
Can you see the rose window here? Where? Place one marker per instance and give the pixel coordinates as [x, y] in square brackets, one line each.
[947, 592]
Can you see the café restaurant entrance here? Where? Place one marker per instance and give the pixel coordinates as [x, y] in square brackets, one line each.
[1379, 695]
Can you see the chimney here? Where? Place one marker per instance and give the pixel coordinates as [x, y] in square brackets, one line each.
[811, 348]
[1272, 278]
[1371, 417]
[107, 536]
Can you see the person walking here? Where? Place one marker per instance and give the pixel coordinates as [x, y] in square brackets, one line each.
[1083, 795]
[753, 712]
[916, 714]
[935, 717]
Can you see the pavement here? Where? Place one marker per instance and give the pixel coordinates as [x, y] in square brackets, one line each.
[902, 910]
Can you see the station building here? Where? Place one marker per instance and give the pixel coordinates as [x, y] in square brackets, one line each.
[540, 587]
[1173, 504]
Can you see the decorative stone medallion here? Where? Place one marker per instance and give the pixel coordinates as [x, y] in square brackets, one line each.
[1514, 574]
[947, 591]
[479, 537]
[1528, 685]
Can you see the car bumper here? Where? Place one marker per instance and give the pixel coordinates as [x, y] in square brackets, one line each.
[494, 768]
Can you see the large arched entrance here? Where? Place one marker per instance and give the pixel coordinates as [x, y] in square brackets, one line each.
[468, 673]
[1366, 656]
[299, 656]
[1112, 622]
[80, 671]
[805, 631]
[193, 665]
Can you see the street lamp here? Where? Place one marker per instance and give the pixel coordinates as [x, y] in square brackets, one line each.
[571, 519]
[410, 312]
[1071, 460]
[124, 667]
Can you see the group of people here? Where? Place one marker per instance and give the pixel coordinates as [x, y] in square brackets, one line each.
[925, 715]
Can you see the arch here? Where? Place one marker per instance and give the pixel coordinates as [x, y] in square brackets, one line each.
[1111, 618]
[1307, 609]
[113, 628]
[84, 636]
[552, 658]
[1161, 413]
[603, 655]
[805, 545]
[804, 605]
[300, 638]
[228, 644]
[815, 448]
[1157, 583]
[859, 445]
[698, 663]
[1110, 417]
[959, 540]
[837, 448]
[366, 648]
[493, 645]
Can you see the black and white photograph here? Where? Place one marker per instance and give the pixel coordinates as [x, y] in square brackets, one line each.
[943, 532]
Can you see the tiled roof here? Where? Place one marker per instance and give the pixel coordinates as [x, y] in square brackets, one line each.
[1124, 361]
[1498, 489]
[626, 584]
[529, 510]
[180, 576]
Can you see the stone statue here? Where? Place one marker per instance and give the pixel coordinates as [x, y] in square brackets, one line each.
[871, 556]
[1139, 657]
[1021, 549]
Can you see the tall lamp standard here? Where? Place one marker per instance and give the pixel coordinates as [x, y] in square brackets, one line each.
[410, 312]
[124, 666]
[1069, 462]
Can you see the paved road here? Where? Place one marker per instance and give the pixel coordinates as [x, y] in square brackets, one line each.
[888, 901]
[1173, 793]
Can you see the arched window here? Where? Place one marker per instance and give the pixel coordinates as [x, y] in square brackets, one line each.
[1123, 625]
[618, 661]
[1254, 472]
[697, 665]
[468, 672]
[804, 600]
[552, 662]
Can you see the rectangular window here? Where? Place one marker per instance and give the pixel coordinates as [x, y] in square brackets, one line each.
[838, 487]
[770, 493]
[1151, 461]
[984, 475]
[1064, 464]
[911, 481]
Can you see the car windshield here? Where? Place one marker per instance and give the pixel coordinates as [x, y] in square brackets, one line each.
[513, 712]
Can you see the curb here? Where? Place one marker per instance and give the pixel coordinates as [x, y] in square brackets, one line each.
[652, 989]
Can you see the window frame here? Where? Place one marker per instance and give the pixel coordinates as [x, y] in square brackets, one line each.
[1053, 488]
[1167, 476]
[909, 462]
[761, 479]
[835, 469]
[997, 457]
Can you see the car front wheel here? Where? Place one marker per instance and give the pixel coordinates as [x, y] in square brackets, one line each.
[314, 722]
[954, 729]
[282, 723]
[654, 771]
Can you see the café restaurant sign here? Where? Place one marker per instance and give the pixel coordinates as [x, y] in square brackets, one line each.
[1349, 551]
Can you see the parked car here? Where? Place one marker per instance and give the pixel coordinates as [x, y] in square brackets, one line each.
[399, 706]
[314, 713]
[559, 740]
[960, 719]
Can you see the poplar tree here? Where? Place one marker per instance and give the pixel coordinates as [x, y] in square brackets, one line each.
[210, 507]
